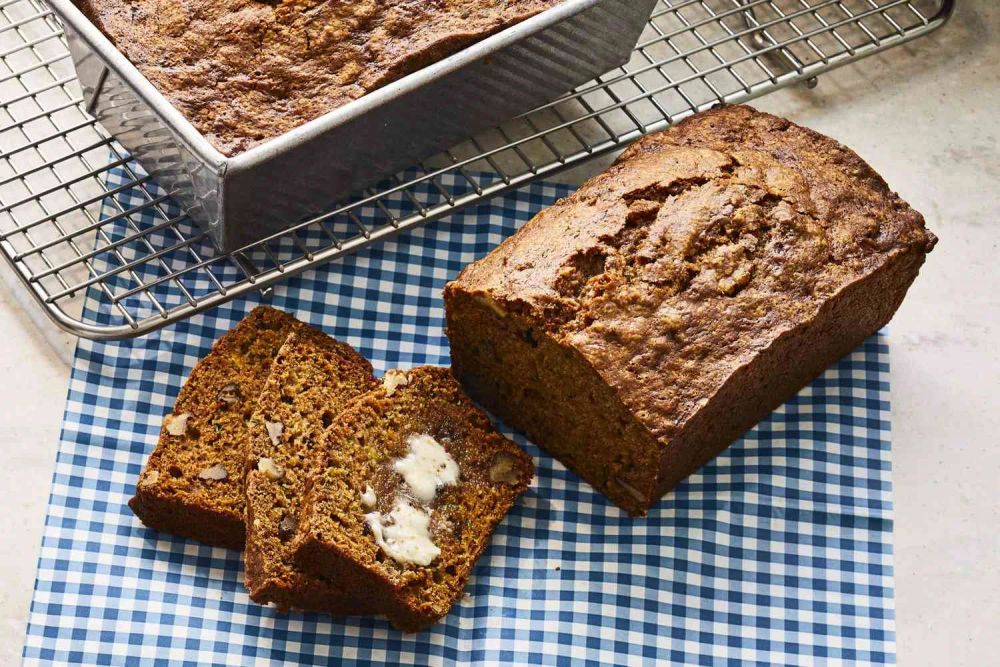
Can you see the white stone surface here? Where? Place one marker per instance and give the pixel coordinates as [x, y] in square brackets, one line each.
[926, 116]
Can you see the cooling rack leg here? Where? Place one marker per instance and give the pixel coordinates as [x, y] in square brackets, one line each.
[251, 271]
[96, 92]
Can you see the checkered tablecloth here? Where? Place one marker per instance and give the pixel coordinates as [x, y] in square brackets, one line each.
[778, 552]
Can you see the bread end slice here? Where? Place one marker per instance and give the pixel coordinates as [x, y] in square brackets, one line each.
[192, 484]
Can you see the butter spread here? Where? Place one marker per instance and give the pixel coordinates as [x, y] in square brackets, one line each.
[426, 467]
[405, 533]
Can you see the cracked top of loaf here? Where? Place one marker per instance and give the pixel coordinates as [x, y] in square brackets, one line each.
[694, 251]
[244, 71]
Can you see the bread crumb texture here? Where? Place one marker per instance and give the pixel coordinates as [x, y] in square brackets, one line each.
[312, 379]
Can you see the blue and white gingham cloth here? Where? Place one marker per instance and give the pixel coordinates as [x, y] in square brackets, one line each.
[777, 552]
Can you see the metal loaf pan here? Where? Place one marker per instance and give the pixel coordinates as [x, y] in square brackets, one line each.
[303, 172]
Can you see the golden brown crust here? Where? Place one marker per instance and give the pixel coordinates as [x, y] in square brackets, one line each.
[244, 71]
[192, 484]
[360, 447]
[663, 278]
[312, 378]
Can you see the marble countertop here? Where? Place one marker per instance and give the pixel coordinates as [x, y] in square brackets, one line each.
[925, 116]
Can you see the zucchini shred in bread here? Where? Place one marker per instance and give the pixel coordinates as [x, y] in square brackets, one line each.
[415, 481]
[192, 484]
[639, 326]
[311, 379]
[244, 71]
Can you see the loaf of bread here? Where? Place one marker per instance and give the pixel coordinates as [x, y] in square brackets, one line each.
[193, 481]
[639, 326]
[414, 483]
[244, 71]
[312, 378]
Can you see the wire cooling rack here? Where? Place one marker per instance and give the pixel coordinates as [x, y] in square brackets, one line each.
[76, 212]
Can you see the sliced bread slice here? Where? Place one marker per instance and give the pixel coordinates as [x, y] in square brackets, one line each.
[193, 481]
[414, 483]
[312, 378]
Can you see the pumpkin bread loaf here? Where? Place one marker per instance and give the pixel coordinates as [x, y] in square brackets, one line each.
[193, 481]
[414, 483]
[244, 71]
[639, 326]
[311, 380]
